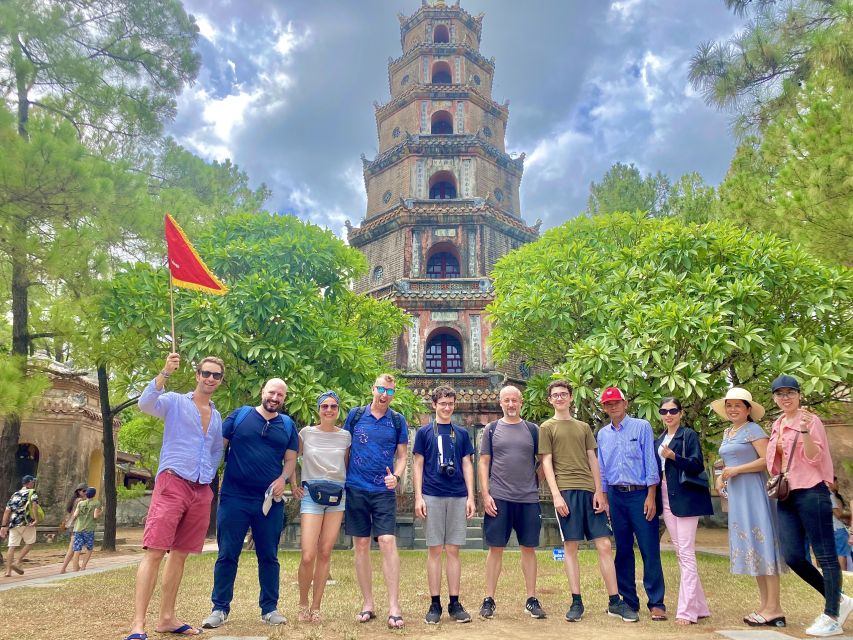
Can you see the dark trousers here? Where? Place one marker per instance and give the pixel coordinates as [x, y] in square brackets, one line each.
[628, 521]
[233, 519]
[809, 511]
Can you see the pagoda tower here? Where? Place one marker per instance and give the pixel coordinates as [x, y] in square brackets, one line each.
[442, 207]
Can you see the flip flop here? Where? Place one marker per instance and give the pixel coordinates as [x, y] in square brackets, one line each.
[393, 620]
[137, 636]
[370, 616]
[754, 619]
[182, 630]
[658, 614]
[17, 570]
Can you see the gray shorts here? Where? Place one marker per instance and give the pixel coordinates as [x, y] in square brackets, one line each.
[445, 521]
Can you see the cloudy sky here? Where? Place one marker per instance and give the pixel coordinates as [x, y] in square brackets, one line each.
[287, 89]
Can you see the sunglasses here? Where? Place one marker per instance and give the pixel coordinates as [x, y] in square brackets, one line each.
[388, 390]
[673, 412]
[784, 395]
[217, 375]
[328, 407]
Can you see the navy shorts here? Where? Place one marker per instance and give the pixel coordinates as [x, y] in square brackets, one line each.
[370, 514]
[523, 517]
[582, 522]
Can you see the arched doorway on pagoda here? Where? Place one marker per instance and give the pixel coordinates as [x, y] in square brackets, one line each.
[441, 73]
[441, 123]
[443, 262]
[443, 352]
[441, 34]
[442, 186]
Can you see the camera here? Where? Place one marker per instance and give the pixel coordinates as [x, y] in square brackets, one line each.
[447, 467]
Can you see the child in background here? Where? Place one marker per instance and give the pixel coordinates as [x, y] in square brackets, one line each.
[85, 514]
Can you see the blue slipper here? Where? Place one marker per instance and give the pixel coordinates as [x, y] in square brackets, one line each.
[137, 636]
[182, 631]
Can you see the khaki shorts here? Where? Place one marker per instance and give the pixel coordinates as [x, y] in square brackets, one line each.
[26, 534]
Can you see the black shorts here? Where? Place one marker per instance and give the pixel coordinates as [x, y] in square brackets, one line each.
[370, 514]
[523, 517]
[582, 522]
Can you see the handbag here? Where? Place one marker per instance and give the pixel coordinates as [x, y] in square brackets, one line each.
[700, 479]
[326, 493]
[777, 486]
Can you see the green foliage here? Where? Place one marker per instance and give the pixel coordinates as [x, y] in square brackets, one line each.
[142, 435]
[289, 313]
[660, 307]
[797, 179]
[111, 68]
[18, 391]
[623, 188]
[137, 490]
[692, 200]
[758, 71]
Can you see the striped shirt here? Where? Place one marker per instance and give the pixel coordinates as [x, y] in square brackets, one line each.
[627, 455]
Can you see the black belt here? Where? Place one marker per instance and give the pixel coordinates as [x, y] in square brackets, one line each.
[172, 472]
[628, 487]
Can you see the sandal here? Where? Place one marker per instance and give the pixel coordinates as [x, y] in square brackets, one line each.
[365, 616]
[316, 618]
[658, 614]
[393, 622]
[304, 614]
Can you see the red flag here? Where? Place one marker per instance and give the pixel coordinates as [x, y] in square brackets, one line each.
[185, 265]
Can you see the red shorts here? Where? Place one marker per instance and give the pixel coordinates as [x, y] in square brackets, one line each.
[178, 516]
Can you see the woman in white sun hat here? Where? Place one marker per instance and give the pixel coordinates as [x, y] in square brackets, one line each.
[753, 540]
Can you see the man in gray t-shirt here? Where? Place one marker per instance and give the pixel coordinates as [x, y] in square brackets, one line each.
[510, 492]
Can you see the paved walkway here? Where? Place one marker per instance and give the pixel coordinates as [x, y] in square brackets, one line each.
[47, 573]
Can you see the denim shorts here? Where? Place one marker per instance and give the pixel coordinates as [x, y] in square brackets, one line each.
[309, 506]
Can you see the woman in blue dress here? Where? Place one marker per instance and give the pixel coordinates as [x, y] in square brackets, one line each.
[753, 540]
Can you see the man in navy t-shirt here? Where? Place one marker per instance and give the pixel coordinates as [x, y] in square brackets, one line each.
[262, 455]
[444, 496]
[377, 460]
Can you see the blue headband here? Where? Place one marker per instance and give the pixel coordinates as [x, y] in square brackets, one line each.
[325, 396]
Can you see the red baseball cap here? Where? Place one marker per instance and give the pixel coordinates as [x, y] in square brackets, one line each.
[610, 394]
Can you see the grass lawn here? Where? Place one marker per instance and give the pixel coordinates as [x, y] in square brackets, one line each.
[99, 606]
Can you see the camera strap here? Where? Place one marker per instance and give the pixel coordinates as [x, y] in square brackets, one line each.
[439, 441]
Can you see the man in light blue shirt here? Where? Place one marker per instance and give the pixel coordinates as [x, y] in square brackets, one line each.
[180, 506]
[629, 475]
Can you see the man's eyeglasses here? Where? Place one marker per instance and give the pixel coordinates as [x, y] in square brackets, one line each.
[784, 395]
[388, 390]
[445, 405]
[560, 395]
[265, 429]
[217, 375]
[673, 412]
[328, 407]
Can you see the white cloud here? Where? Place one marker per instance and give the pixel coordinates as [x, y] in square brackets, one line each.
[205, 27]
[624, 10]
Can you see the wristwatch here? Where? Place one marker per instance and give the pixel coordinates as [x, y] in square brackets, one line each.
[396, 476]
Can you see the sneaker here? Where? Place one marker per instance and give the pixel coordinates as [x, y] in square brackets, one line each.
[487, 611]
[622, 610]
[216, 618]
[457, 612]
[433, 616]
[575, 612]
[274, 617]
[534, 608]
[845, 608]
[824, 626]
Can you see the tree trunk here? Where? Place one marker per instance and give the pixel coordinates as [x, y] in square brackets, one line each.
[109, 543]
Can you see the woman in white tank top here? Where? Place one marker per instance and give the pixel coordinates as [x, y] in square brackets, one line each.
[323, 451]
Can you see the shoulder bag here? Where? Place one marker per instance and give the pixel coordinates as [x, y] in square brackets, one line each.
[700, 479]
[777, 486]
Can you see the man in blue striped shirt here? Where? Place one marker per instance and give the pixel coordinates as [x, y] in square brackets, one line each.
[629, 475]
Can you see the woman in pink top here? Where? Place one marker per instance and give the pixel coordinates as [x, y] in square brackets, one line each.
[798, 436]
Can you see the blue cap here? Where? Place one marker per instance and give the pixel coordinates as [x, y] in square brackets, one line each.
[28, 478]
[326, 395]
[785, 382]
[90, 492]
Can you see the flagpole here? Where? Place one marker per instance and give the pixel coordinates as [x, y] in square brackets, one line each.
[172, 310]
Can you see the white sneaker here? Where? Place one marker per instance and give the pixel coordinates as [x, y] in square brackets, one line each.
[274, 617]
[824, 626]
[845, 608]
[216, 619]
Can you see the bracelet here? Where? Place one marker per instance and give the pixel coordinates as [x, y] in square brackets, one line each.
[165, 374]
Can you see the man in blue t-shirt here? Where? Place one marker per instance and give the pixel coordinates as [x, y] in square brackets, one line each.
[379, 441]
[444, 495]
[263, 444]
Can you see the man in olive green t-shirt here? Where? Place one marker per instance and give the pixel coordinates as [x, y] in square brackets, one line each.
[84, 516]
[570, 466]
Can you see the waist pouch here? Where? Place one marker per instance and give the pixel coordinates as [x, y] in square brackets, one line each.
[326, 493]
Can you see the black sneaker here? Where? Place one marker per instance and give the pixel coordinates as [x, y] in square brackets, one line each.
[487, 611]
[622, 610]
[456, 611]
[534, 608]
[575, 612]
[433, 616]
